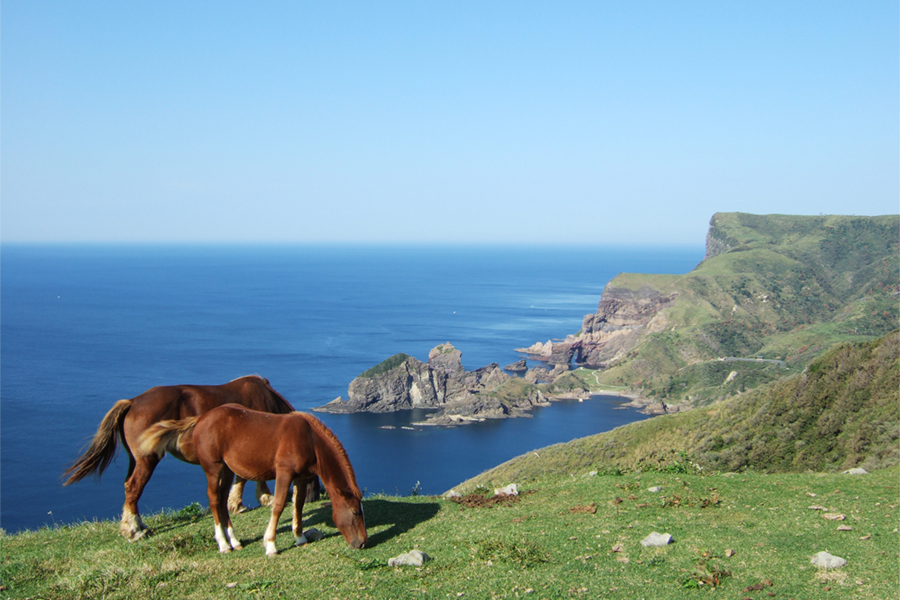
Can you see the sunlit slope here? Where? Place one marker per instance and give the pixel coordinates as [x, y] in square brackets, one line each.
[843, 411]
[777, 287]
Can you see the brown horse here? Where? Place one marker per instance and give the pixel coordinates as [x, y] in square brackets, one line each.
[295, 448]
[128, 419]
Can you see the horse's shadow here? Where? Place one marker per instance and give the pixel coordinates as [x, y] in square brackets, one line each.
[400, 516]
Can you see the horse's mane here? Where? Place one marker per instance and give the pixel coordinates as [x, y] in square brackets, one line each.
[326, 435]
[276, 402]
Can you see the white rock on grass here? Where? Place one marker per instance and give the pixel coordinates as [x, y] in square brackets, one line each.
[452, 494]
[655, 489]
[856, 471]
[510, 490]
[413, 558]
[827, 561]
[657, 539]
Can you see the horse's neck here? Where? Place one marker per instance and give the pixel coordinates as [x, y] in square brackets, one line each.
[334, 470]
[330, 467]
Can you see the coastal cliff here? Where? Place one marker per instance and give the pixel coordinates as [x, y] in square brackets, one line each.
[772, 293]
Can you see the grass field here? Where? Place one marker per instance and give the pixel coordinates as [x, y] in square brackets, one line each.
[568, 535]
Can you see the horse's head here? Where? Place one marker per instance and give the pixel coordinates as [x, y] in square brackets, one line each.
[347, 512]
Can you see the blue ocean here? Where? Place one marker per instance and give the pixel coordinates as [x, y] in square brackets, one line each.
[82, 326]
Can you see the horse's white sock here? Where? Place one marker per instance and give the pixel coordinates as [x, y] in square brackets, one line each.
[131, 527]
[271, 550]
[300, 540]
[221, 539]
[232, 539]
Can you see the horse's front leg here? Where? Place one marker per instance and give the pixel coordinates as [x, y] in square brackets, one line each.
[139, 472]
[300, 491]
[282, 485]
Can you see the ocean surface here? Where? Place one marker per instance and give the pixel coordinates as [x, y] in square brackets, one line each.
[82, 326]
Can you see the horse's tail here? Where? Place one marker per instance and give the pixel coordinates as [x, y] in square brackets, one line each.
[103, 447]
[169, 436]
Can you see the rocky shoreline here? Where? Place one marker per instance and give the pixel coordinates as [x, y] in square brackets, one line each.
[459, 397]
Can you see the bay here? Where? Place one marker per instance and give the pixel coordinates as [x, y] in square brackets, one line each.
[82, 326]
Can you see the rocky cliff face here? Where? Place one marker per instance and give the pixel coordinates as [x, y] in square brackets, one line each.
[409, 383]
[622, 316]
[456, 395]
[716, 242]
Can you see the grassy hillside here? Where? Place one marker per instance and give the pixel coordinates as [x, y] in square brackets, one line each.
[566, 535]
[576, 528]
[842, 411]
[773, 286]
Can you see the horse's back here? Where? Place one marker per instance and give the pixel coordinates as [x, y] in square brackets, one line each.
[184, 401]
[253, 443]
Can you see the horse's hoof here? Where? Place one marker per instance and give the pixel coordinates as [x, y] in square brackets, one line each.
[271, 550]
[266, 499]
[137, 535]
[237, 509]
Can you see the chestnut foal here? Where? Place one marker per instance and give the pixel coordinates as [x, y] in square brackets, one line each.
[292, 448]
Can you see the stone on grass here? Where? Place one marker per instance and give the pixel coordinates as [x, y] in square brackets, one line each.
[313, 535]
[655, 489]
[856, 471]
[413, 558]
[824, 560]
[657, 539]
[510, 490]
[833, 517]
[452, 494]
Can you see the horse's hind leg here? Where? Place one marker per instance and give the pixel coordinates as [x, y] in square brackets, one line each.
[282, 485]
[218, 480]
[300, 493]
[139, 472]
[223, 508]
[263, 495]
[236, 496]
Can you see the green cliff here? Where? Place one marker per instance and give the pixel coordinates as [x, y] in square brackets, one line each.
[774, 288]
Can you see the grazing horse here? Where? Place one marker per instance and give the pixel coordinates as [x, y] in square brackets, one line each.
[128, 419]
[294, 448]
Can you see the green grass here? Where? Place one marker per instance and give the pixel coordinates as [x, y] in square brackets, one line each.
[842, 412]
[384, 366]
[548, 544]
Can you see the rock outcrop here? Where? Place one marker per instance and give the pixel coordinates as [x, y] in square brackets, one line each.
[520, 366]
[403, 382]
[457, 396]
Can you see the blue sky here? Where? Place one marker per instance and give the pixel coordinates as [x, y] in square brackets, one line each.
[455, 122]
